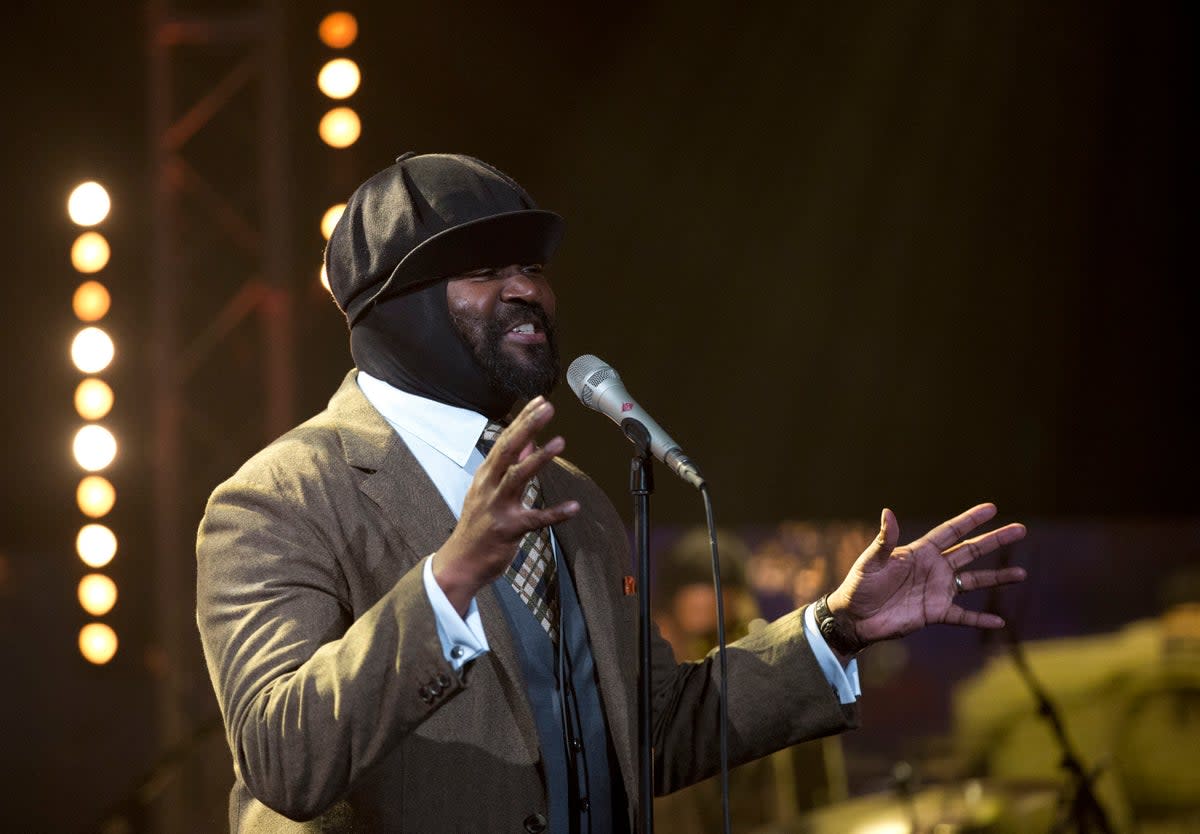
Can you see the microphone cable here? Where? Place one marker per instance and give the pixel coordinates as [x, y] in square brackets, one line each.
[723, 711]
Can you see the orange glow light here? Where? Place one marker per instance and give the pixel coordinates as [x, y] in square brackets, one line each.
[97, 594]
[92, 350]
[339, 78]
[338, 30]
[94, 447]
[97, 643]
[96, 545]
[95, 496]
[88, 204]
[90, 252]
[340, 127]
[332, 215]
[93, 399]
[91, 301]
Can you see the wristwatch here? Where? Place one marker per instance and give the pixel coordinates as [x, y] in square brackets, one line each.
[840, 639]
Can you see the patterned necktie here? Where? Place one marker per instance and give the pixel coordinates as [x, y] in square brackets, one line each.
[531, 572]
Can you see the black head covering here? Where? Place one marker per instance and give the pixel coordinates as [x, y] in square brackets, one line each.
[403, 231]
[410, 342]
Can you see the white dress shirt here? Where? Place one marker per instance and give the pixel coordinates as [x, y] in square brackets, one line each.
[442, 438]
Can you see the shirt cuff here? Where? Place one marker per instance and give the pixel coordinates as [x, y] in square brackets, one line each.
[843, 680]
[463, 639]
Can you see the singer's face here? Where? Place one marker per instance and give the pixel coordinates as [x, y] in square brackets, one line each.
[506, 316]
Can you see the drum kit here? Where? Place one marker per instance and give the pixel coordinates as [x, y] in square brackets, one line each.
[972, 806]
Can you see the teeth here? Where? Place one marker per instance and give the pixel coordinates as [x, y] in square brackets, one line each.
[523, 328]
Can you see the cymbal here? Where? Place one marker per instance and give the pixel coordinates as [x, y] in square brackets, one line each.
[973, 805]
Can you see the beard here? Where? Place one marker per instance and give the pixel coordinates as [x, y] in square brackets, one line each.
[521, 371]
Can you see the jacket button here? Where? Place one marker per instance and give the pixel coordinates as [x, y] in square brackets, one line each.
[425, 694]
[535, 823]
[584, 805]
[443, 681]
[576, 745]
[435, 688]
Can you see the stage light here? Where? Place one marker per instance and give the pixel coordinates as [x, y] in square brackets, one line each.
[91, 301]
[340, 127]
[88, 204]
[339, 78]
[90, 252]
[94, 447]
[93, 399]
[325, 278]
[338, 30]
[95, 496]
[97, 594]
[332, 215]
[97, 643]
[96, 545]
[885, 827]
[92, 350]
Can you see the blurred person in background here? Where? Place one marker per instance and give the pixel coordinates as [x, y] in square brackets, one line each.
[684, 606]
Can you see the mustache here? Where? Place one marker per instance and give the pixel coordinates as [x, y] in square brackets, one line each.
[512, 313]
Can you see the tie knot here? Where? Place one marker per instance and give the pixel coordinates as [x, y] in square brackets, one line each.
[488, 439]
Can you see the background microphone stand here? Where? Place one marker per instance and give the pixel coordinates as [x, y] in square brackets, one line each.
[641, 485]
[1085, 814]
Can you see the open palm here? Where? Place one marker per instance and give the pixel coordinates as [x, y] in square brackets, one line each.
[892, 591]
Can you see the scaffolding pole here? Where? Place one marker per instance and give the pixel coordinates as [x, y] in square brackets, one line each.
[190, 203]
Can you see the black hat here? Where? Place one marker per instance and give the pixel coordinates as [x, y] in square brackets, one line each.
[428, 217]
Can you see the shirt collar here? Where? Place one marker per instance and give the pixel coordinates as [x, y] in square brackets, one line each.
[451, 430]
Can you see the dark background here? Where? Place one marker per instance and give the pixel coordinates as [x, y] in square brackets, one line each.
[915, 253]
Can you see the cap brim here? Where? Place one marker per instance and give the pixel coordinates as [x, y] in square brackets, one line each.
[517, 237]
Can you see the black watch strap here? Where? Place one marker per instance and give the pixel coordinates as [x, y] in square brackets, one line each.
[841, 640]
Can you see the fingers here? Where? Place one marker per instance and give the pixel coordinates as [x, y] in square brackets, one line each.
[976, 579]
[550, 516]
[972, 619]
[948, 532]
[517, 476]
[509, 445]
[887, 538]
[889, 530]
[967, 552]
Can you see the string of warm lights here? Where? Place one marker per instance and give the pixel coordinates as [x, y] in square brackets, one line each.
[338, 80]
[95, 447]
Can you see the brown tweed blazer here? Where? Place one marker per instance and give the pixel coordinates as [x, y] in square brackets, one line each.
[318, 637]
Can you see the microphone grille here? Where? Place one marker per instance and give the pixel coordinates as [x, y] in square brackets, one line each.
[585, 373]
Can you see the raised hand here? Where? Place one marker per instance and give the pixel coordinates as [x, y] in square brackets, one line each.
[493, 519]
[892, 591]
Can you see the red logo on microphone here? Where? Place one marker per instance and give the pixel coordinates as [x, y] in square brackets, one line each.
[626, 407]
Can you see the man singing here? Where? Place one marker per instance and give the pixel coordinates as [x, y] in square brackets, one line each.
[414, 616]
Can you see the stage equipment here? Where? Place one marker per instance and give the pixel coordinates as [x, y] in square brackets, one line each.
[599, 387]
[976, 806]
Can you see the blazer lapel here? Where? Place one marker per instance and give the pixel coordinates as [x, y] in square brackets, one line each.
[418, 515]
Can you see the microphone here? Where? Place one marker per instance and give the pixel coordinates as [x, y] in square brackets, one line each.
[599, 387]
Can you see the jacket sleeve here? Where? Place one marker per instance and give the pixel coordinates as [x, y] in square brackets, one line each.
[778, 696]
[312, 696]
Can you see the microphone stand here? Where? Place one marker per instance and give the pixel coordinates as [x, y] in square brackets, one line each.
[641, 485]
[1086, 812]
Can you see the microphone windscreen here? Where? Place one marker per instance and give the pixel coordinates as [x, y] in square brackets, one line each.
[585, 373]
